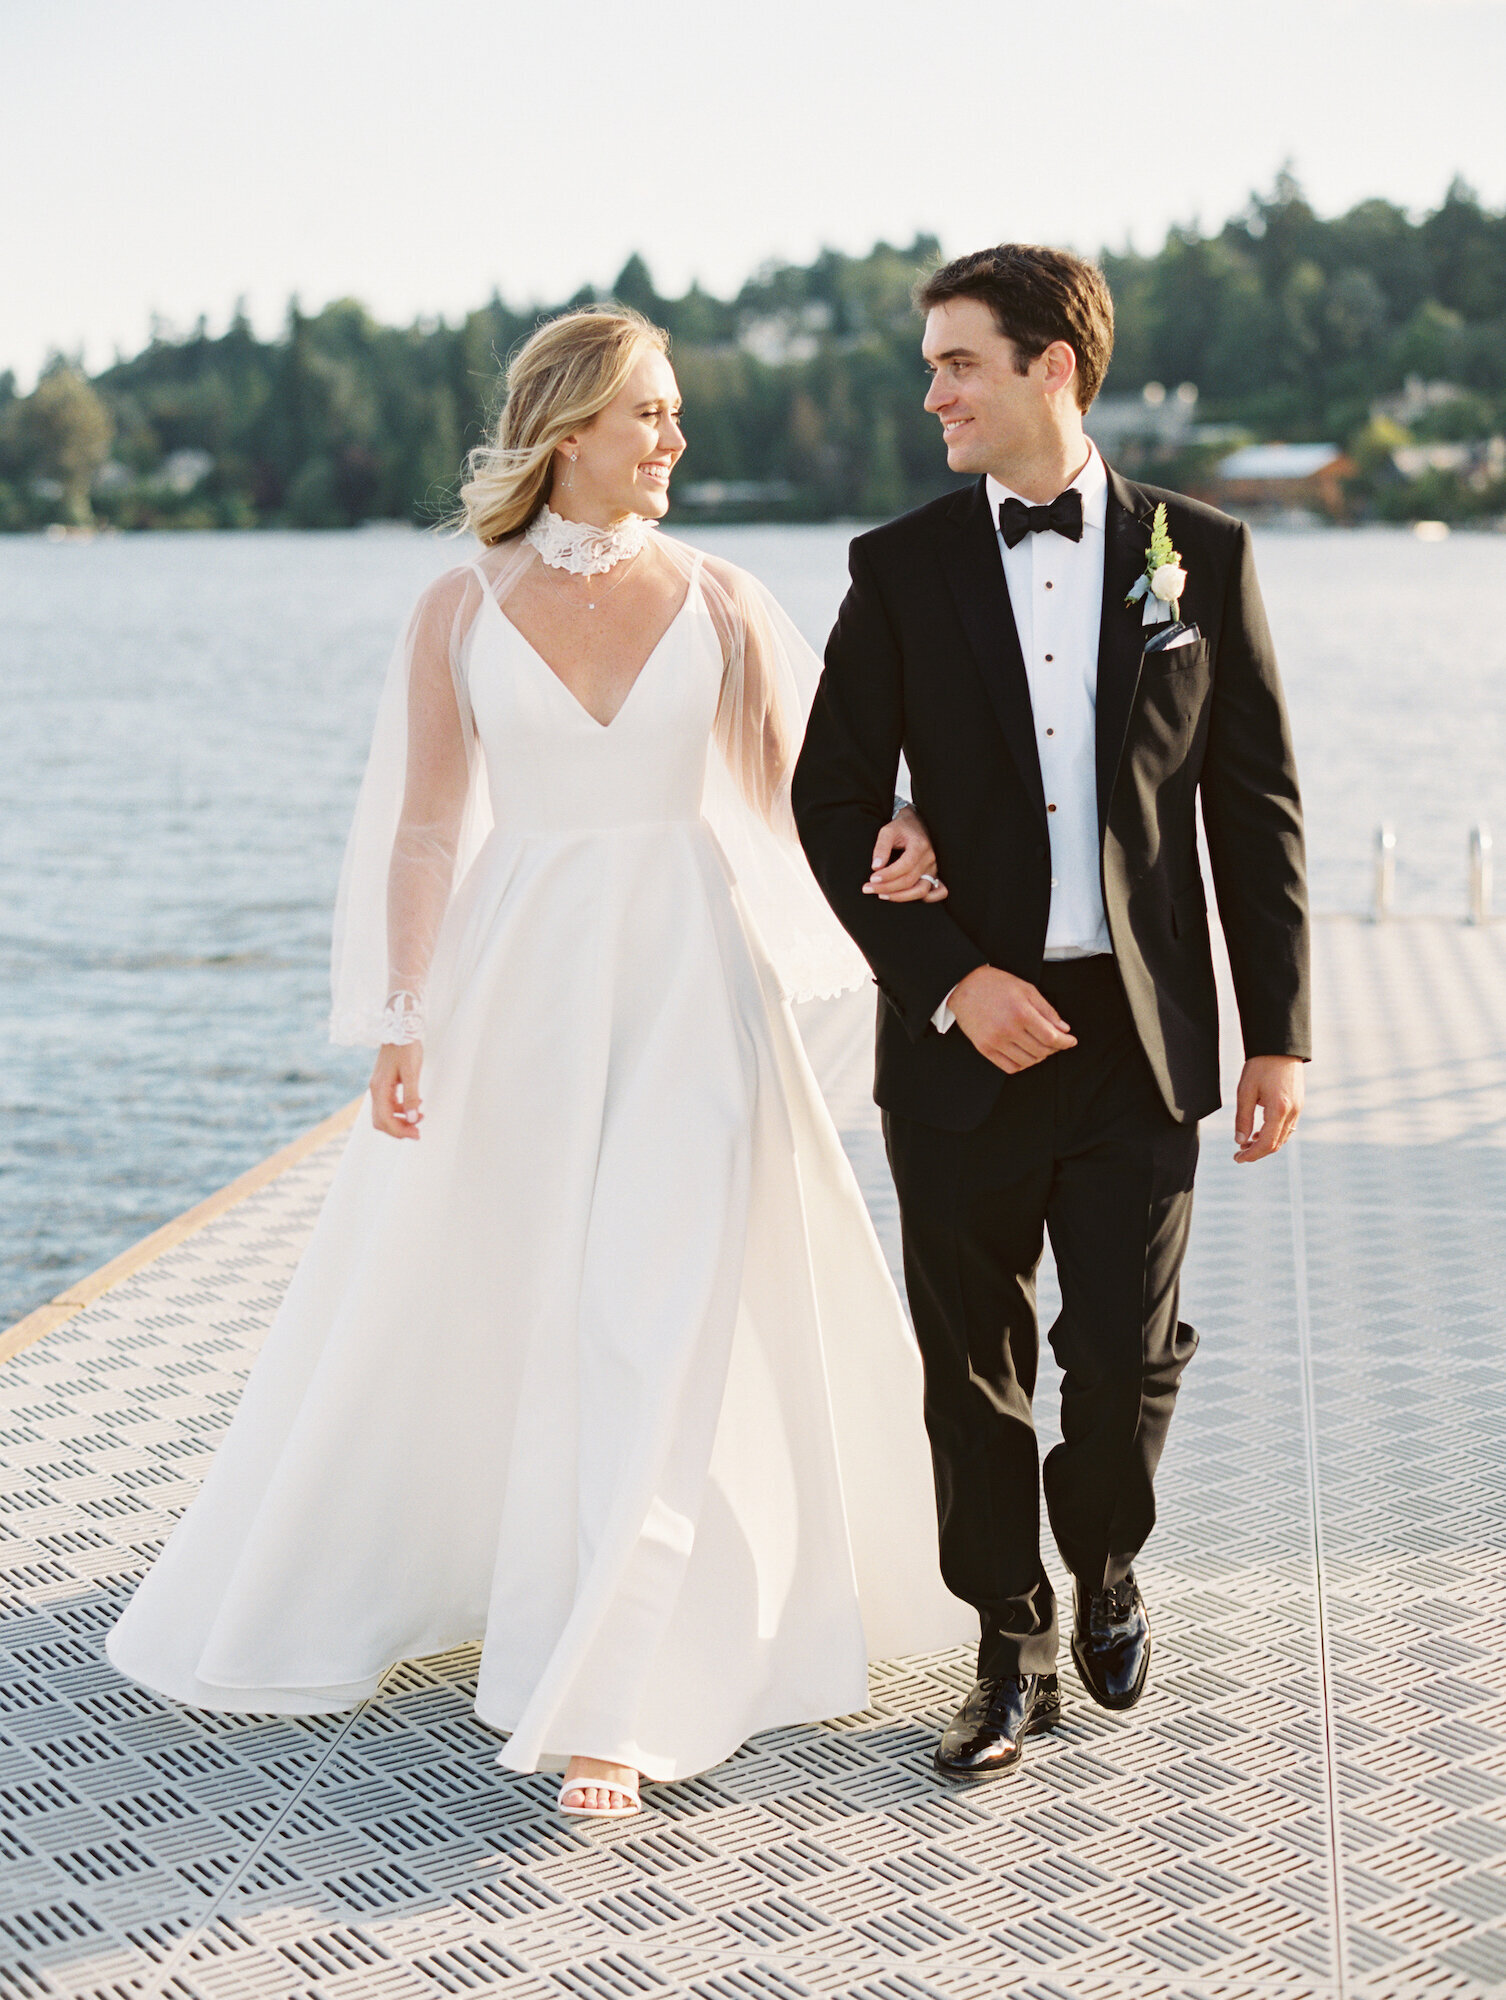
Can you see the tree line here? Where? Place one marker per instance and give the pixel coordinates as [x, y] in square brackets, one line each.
[803, 391]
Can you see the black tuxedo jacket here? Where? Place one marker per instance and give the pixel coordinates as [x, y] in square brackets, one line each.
[925, 658]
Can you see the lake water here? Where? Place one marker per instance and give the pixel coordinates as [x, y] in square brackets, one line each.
[186, 720]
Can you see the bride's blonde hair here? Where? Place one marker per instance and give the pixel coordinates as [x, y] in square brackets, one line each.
[562, 376]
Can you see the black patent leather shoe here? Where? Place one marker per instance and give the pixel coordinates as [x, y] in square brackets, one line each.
[1111, 1642]
[987, 1734]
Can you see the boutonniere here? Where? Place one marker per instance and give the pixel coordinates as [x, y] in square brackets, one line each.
[1164, 580]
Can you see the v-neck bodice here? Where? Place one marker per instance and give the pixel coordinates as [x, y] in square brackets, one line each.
[552, 766]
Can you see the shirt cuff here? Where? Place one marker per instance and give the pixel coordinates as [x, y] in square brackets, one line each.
[943, 1018]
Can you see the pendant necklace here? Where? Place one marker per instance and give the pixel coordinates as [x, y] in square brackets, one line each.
[602, 595]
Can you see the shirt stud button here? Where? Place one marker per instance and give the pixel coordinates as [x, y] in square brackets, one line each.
[1049, 658]
[1050, 732]
[1050, 586]
[1051, 809]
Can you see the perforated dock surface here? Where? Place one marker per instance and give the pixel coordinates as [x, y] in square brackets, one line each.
[1311, 1800]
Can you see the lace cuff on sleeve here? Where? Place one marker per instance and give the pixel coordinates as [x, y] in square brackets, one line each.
[402, 1020]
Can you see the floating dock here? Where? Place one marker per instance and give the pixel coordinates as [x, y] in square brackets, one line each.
[1310, 1801]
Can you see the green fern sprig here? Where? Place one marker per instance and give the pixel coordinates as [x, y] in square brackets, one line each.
[1159, 552]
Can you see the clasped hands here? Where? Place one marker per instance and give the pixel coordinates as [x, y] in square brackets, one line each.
[1015, 1026]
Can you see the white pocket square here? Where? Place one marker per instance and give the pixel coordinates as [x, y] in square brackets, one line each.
[1188, 638]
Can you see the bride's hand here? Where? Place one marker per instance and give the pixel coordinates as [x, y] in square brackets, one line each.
[904, 862]
[395, 1105]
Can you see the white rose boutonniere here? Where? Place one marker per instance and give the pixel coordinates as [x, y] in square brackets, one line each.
[1164, 578]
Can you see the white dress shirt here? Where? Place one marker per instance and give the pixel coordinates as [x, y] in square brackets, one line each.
[1056, 594]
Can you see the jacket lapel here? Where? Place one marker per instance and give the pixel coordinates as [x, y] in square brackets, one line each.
[976, 576]
[1121, 637]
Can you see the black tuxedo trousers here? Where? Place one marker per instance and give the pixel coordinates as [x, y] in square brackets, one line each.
[1081, 1147]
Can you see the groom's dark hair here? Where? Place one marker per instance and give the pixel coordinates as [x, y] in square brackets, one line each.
[1036, 296]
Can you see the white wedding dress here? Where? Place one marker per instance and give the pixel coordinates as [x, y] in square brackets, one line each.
[606, 1373]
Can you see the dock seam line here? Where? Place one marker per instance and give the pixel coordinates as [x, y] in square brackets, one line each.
[202, 1923]
[1315, 1503]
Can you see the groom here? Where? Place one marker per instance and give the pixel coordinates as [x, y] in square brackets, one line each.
[1048, 1036]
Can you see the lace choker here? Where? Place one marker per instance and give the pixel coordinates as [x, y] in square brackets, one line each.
[583, 550]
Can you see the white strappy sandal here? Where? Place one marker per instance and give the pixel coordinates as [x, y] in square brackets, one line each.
[630, 1793]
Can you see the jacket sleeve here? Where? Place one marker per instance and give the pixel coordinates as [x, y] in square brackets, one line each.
[844, 792]
[1252, 813]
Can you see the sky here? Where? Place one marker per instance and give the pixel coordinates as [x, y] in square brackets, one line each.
[168, 157]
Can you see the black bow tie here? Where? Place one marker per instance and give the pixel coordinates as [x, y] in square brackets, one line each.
[1063, 517]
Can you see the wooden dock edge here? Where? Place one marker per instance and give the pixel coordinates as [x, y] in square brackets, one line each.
[84, 1291]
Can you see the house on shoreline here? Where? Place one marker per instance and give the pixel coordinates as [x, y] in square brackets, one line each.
[1293, 479]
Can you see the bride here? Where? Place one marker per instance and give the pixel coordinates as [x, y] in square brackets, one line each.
[599, 1365]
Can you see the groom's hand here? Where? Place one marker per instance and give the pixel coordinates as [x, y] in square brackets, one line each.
[1273, 1085]
[1007, 1020]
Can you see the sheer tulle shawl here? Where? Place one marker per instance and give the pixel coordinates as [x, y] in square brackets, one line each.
[423, 810]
